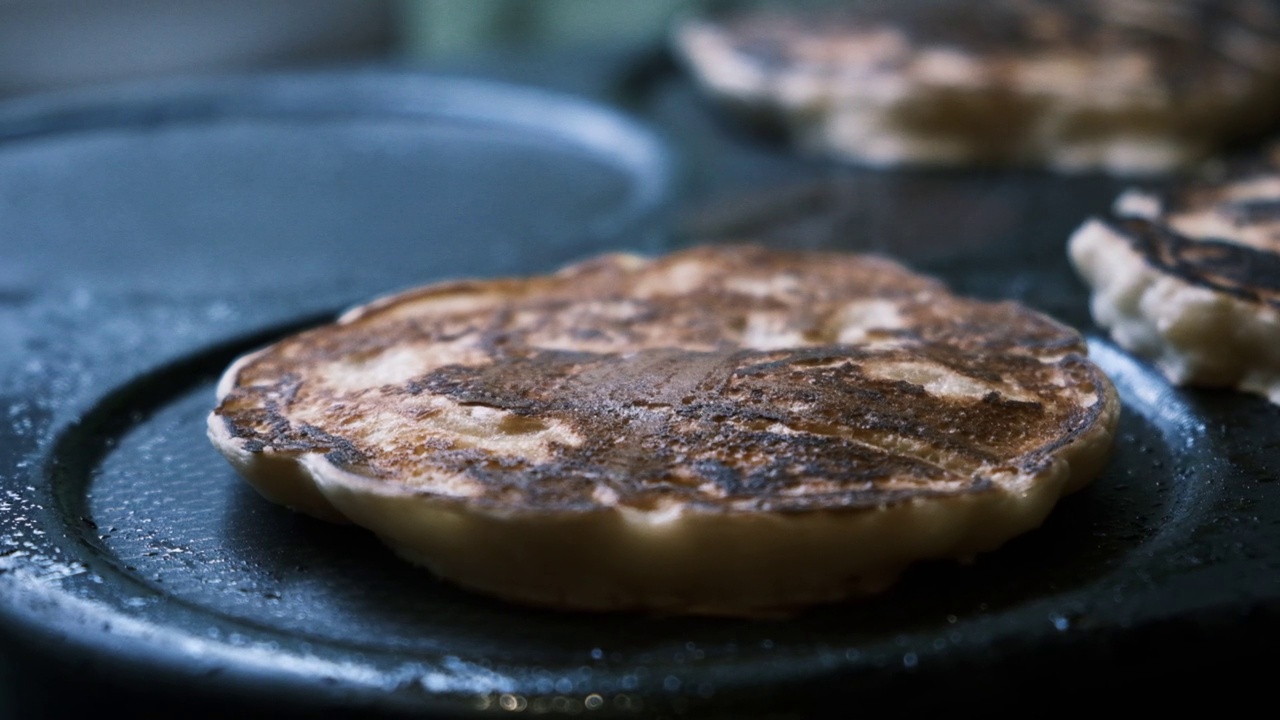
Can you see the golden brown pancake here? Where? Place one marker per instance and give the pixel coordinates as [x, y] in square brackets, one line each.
[726, 430]
[1124, 86]
[1190, 278]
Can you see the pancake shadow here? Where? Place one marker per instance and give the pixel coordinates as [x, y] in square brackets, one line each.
[363, 593]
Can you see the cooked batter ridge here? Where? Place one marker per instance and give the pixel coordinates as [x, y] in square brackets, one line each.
[1190, 278]
[723, 430]
[1126, 86]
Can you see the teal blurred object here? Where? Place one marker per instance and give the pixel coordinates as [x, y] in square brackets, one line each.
[55, 44]
[51, 44]
[431, 28]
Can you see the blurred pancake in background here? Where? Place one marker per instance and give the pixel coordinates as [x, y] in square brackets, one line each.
[1122, 86]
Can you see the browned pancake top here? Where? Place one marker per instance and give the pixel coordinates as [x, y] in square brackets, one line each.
[720, 377]
[1223, 235]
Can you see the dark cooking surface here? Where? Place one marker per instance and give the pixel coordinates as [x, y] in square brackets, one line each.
[132, 559]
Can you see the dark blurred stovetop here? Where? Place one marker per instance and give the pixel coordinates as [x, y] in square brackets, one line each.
[150, 234]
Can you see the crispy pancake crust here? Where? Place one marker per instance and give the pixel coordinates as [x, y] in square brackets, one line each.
[725, 430]
[1121, 85]
[1190, 279]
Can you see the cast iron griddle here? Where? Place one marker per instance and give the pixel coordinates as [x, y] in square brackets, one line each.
[148, 237]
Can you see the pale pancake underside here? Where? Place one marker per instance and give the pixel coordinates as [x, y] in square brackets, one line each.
[724, 430]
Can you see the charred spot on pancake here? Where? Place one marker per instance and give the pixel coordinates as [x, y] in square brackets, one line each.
[1222, 265]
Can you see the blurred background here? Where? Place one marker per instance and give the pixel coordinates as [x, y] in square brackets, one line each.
[55, 44]
[995, 234]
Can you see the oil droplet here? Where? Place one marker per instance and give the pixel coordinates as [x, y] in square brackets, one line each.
[512, 703]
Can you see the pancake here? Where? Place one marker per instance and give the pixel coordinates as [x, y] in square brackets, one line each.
[1190, 279]
[1124, 86]
[725, 430]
